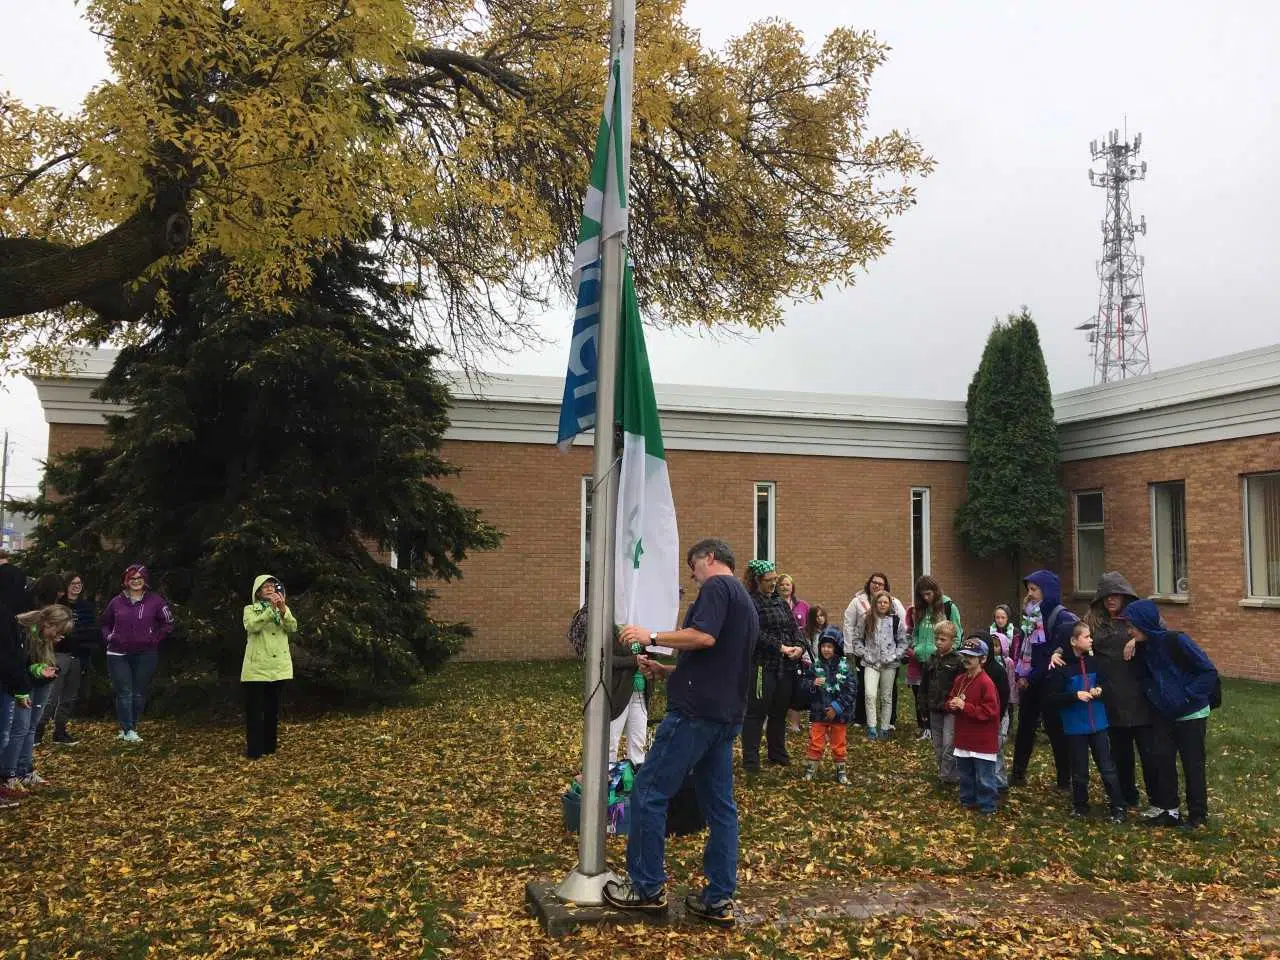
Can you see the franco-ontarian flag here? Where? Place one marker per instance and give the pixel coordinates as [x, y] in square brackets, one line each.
[604, 214]
[647, 559]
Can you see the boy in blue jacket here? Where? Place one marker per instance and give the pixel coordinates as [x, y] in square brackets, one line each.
[832, 689]
[1182, 684]
[1076, 691]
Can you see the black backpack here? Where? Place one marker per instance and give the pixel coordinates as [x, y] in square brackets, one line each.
[1186, 666]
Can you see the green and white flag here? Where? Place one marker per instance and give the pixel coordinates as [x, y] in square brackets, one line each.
[647, 544]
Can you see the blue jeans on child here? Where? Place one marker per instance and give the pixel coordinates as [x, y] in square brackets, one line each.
[977, 783]
[684, 745]
[130, 676]
[7, 707]
[17, 759]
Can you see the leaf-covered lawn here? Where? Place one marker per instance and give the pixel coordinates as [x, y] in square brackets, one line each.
[411, 832]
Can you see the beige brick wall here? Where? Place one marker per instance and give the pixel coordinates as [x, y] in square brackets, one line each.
[1242, 641]
[837, 520]
[65, 437]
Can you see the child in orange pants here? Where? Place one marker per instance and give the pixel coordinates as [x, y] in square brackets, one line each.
[832, 689]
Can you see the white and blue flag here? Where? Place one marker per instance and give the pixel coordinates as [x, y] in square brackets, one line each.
[604, 215]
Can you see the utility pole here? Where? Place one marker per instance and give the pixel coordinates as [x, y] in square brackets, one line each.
[4, 482]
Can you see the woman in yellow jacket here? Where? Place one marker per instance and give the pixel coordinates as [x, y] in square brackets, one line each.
[268, 621]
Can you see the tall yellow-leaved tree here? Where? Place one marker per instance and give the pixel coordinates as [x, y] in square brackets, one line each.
[266, 130]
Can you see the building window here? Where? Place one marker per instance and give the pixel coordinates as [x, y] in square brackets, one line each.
[1262, 533]
[1089, 541]
[766, 519]
[920, 549]
[585, 545]
[1169, 537]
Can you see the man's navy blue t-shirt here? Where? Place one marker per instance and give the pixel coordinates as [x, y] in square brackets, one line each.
[711, 684]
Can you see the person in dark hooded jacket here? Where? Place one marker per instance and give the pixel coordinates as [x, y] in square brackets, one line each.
[1180, 683]
[1044, 592]
[1128, 710]
[833, 687]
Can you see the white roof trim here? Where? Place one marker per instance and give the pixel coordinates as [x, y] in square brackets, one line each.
[1219, 399]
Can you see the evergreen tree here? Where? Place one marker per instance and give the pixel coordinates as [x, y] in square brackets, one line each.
[289, 443]
[1015, 506]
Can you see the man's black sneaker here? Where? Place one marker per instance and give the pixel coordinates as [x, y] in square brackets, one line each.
[1163, 819]
[1117, 815]
[719, 913]
[621, 895]
[1080, 813]
[1194, 823]
[64, 738]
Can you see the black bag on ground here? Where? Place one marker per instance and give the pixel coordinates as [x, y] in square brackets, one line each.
[684, 816]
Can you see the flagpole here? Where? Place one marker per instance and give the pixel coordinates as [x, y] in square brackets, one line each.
[585, 883]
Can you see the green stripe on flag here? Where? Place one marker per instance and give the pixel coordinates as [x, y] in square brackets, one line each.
[637, 405]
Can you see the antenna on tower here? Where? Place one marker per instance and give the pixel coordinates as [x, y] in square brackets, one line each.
[1118, 332]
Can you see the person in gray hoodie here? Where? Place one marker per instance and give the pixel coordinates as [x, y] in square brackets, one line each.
[1128, 710]
[879, 643]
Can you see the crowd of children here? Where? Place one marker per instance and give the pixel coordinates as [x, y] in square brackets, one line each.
[1145, 688]
[1116, 688]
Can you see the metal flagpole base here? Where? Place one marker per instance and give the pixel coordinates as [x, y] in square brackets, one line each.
[580, 888]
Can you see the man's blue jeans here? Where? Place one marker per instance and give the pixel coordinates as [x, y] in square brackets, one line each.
[130, 676]
[684, 745]
[977, 783]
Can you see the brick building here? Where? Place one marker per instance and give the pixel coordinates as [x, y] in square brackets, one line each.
[1172, 478]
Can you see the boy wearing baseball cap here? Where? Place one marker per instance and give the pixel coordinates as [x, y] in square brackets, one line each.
[976, 707]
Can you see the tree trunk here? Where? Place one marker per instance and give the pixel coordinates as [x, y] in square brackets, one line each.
[37, 275]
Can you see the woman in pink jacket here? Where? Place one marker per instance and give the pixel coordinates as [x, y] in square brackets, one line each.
[135, 622]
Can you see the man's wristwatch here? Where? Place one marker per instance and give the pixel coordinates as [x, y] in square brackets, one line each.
[653, 636]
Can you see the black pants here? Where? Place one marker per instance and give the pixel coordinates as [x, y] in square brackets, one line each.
[1079, 746]
[768, 698]
[1031, 710]
[1123, 741]
[261, 716]
[921, 693]
[1184, 740]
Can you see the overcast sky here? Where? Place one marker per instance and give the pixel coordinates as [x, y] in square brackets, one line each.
[1006, 96]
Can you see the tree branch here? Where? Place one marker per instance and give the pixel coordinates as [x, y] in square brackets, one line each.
[38, 275]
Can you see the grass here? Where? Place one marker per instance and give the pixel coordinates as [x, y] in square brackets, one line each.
[410, 832]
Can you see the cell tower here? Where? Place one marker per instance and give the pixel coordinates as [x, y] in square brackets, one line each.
[1118, 332]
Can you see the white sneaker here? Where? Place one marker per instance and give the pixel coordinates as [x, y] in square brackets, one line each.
[893, 727]
[1150, 812]
[132, 737]
[120, 735]
[926, 735]
[14, 785]
[34, 779]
